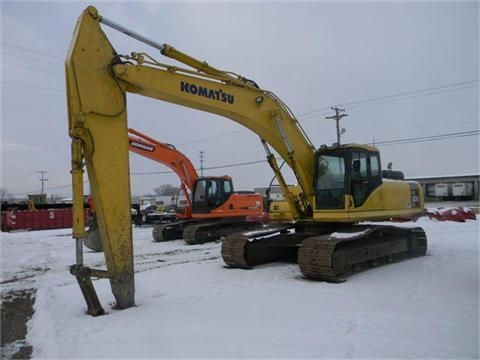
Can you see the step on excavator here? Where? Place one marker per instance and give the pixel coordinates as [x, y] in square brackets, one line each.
[341, 185]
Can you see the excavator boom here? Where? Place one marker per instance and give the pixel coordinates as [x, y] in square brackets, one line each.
[97, 82]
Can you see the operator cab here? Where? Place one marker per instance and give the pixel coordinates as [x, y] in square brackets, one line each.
[210, 193]
[345, 170]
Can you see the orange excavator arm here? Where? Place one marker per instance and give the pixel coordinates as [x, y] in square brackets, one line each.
[167, 155]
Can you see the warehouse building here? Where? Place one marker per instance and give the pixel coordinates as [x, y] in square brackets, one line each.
[450, 187]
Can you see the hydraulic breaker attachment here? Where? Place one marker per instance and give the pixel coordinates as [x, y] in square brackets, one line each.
[83, 275]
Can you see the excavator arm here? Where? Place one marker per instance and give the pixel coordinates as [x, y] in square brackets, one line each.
[204, 88]
[97, 82]
[98, 128]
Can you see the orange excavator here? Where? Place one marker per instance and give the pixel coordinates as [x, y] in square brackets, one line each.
[214, 209]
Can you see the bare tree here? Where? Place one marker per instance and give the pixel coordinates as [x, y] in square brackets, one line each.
[166, 190]
[4, 195]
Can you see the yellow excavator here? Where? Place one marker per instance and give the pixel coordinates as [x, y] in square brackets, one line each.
[340, 185]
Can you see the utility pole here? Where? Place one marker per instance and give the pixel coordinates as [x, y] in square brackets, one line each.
[337, 118]
[42, 178]
[201, 162]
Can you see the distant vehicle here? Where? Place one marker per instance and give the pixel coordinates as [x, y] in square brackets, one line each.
[157, 214]
[159, 217]
[149, 209]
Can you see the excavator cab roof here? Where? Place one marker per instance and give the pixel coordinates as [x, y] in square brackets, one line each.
[364, 147]
[225, 177]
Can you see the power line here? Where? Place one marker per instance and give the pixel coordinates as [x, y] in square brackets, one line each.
[430, 91]
[33, 69]
[456, 85]
[461, 84]
[30, 50]
[48, 189]
[156, 173]
[413, 96]
[388, 98]
[366, 102]
[237, 164]
[382, 143]
[413, 127]
[205, 168]
[443, 88]
[31, 86]
[29, 58]
[429, 138]
[213, 137]
[353, 104]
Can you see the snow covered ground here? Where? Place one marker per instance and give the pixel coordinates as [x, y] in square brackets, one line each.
[190, 306]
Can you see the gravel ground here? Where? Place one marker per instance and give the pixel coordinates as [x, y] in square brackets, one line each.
[16, 310]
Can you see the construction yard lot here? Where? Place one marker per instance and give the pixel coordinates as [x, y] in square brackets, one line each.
[190, 306]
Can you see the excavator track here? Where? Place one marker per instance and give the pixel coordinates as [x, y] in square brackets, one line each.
[214, 230]
[261, 246]
[332, 257]
[169, 231]
[233, 253]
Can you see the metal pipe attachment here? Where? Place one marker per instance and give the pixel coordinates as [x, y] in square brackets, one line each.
[79, 251]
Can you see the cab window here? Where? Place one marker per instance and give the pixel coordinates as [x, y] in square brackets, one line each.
[199, 193]
[374, 165]
[364, 175]
[212, 189]
[227, 188]
[330, 184]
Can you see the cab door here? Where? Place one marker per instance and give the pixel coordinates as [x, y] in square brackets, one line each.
[218, 192]
[200, 204]
[210, 193]
[365, 175]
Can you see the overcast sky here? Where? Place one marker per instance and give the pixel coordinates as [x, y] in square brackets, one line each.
[401, 70]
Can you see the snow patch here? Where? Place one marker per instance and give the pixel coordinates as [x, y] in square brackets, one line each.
[190, 306]
[348, 235]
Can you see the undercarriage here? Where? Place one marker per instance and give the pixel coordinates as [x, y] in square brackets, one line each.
[328, 252]
[201, 231]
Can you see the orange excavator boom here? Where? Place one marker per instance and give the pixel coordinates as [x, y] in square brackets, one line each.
[167, 155]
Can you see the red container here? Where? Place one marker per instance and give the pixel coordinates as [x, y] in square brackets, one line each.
[37, 219]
